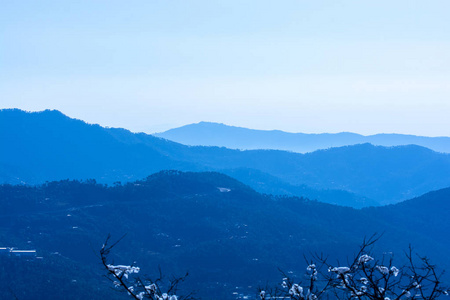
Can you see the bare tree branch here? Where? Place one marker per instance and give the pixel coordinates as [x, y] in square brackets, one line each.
[138, 288]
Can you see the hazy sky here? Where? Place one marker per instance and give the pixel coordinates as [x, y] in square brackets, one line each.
[299, 66]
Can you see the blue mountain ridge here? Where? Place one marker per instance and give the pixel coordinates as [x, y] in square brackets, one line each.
[221, 135]
[48, 145]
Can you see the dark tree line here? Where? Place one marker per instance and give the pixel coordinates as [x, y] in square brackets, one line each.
[363, 277]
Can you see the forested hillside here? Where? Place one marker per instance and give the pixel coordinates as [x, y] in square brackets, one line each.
[224, 233]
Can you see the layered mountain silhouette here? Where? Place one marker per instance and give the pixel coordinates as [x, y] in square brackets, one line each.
[228, 236]
[216, 134]
[48, 145]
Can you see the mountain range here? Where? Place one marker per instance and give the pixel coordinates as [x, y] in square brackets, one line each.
[231, 218]
[221, 135]
[48, 145]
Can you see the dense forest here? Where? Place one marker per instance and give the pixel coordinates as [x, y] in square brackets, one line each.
[229, 237]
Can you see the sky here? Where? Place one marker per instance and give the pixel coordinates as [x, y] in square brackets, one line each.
[299, 66]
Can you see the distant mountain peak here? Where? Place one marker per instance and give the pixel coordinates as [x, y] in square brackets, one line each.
[222, 135]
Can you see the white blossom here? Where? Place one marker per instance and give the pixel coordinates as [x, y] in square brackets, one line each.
[340, 270]
[395, 271]
[407, 294]
[364, 259]
[151, 288]
[383, 269]
[311, 296]
[312, 269]
[296, 290]
[122, 270]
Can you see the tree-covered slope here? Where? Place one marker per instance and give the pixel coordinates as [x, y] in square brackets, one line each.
[222, 231]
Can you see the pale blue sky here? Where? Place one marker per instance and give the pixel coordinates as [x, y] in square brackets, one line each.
[299, 66]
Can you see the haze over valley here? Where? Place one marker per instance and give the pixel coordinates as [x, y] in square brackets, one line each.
[51, 146]
[221, 135]
[225, 150]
